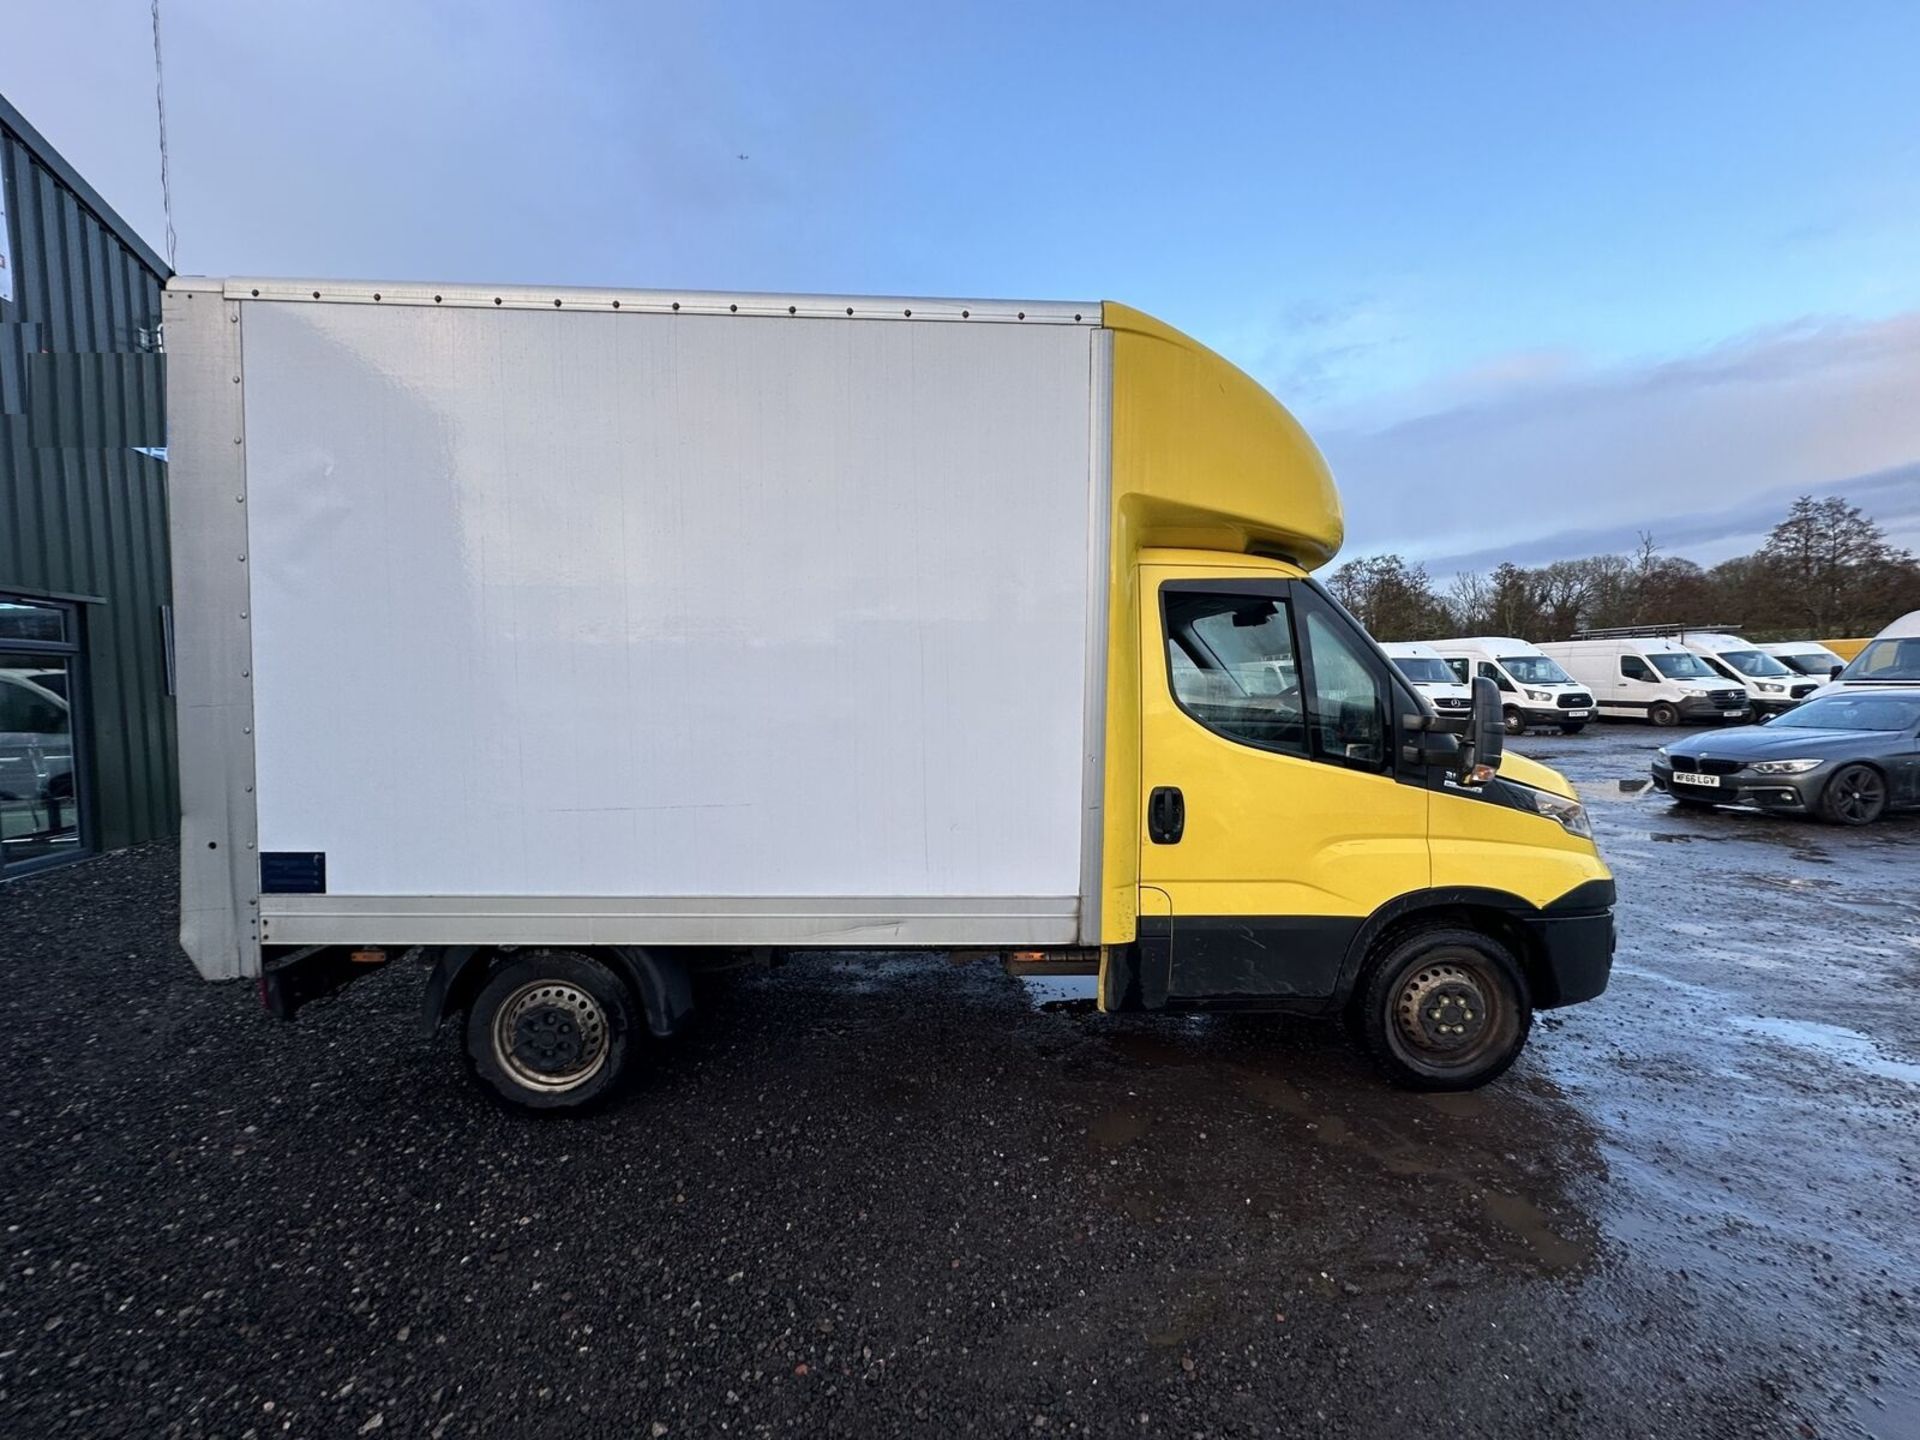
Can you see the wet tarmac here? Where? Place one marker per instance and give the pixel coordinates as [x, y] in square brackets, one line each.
[895, 1197]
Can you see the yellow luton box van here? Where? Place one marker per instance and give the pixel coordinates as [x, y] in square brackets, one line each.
[710, 628]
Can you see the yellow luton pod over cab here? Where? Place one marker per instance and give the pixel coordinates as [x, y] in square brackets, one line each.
[713, 628]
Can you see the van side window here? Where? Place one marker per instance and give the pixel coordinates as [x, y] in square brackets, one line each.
[1493, 673]
[1231, 663]
[1459, 669]
[1348, 706]
[1634, 668]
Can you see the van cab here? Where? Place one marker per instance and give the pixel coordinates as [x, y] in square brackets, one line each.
[1534, 690]
[1652, 678]
[1806, 657]
[1426, 669]
[1772, 688]
[1891, 658]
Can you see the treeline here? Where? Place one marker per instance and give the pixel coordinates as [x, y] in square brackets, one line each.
[1825, 571]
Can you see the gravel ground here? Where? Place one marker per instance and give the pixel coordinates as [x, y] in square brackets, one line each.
[890, 1196]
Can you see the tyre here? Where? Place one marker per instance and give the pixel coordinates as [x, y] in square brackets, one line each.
[1856, 795]
[551, 1030]
[1573, 729]
[1443, 1008]
[1516, 722]
[1663, 715]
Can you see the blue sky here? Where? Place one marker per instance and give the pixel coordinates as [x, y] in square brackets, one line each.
[1536, 278]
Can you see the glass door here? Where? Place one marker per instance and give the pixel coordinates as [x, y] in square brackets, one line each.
[40, 753]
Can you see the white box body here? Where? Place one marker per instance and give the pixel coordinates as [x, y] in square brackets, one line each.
[598, 624]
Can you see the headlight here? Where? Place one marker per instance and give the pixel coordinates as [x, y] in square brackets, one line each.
[1571, 814]
[1538, 695]
[1783, 767]
[1774, 689]
[1662, 753]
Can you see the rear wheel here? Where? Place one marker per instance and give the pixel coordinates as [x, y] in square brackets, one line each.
[1516, 722]
[551, 1030]
[1857, 795]
[1443, 1008]
[1663, 715]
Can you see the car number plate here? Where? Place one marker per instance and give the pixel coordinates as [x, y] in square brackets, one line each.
[1681, 777]
[1576, 714]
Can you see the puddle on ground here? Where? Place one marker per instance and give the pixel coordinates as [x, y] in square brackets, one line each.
[1530, 1224]
[1848, 1047]
[1061, 992]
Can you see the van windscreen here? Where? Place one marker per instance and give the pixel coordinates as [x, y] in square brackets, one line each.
[1893, 659]
[1752, 662]
[1423, 671]
[1806, 662]
[1682, 666]
[1534, 670]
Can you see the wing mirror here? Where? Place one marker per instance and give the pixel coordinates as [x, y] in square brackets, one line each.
[1486, 735]
[1471, 760]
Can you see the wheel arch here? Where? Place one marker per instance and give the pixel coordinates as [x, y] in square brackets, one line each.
[658, 980]
[1499, 913]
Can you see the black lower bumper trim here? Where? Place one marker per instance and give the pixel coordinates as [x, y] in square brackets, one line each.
[1575, 955]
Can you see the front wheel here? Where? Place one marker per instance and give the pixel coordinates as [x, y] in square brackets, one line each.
[1516, 723]
[1443, 1008]
[1664, 715]
[551, 1030]
[1857, 795]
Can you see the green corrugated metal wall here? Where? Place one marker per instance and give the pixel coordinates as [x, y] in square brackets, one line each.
[82, 511]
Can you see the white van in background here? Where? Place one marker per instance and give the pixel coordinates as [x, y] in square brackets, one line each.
[1806, 657]
[1891, 658]
[1650, 677]
[1428, 672]
[1534, 691]
[1772, 689]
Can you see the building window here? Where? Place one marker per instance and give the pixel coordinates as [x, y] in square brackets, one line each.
[41, 749]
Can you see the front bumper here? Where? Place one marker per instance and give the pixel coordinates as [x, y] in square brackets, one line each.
[1548, 715]
[1704, 707]
[1787, 794]
[1573, 942]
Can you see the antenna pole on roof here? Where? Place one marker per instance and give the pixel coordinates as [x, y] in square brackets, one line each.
[160, 104]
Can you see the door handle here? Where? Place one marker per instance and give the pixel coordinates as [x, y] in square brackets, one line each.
[1166, 815]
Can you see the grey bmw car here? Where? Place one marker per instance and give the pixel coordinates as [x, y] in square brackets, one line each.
[1847, 756]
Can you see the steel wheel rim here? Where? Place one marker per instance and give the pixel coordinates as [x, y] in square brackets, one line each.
[1859, 793]
[551, 1036]
[1447, 1014]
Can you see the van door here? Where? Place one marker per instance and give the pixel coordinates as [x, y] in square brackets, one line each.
[1273, 817]
[1635, 686]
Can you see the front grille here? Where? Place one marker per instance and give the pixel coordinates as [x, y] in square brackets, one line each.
[1574, 700]
[1730, 699]
[1701, 765]
[1800, 692]
[1448, 703]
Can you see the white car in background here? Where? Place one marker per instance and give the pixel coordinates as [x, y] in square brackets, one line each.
[36, 741]
[1805, 657]
[1772, 688]
[1426, 669]
[1534, 691]
[1891, 658]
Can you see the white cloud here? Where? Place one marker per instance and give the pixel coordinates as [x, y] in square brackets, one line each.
[1537, 458]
